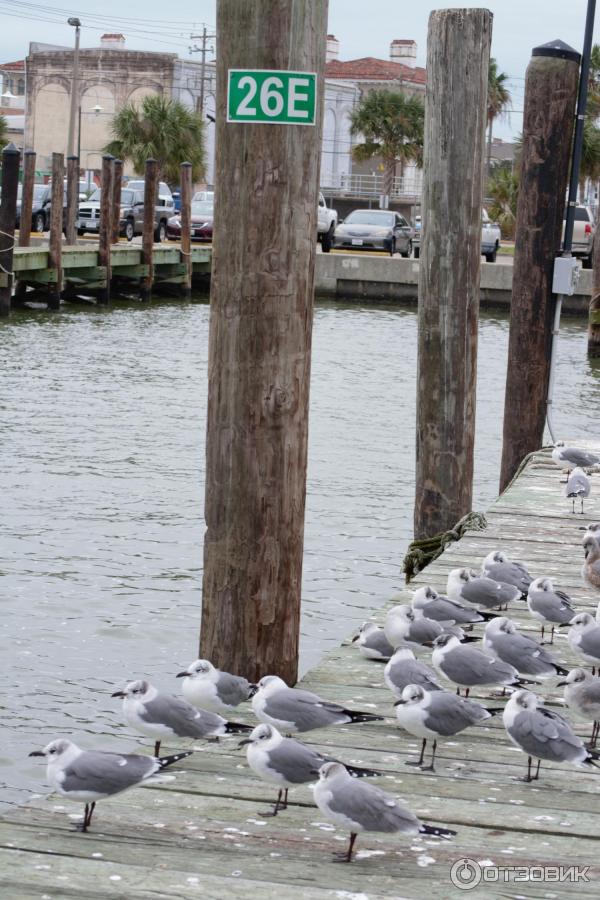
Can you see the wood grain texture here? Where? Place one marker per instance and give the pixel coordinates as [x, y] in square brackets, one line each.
[150, 201]
[106, 221]
[72, 200]
[261, 309]
[27, 198]
[55, 238]
[116, 200]
[550, 97]
[8, 210]
[186, 226]
[458, 47]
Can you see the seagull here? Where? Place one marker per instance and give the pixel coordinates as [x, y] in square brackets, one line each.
[294, 710]
[582, 695]
[591, 530]
[208, 688]
[572, 458]
[542, 734]
[286, 762]
[433, 714]
[372, 642]
[548, 605]
[91, 775]
[590, 571]
[470, 667]
[466, 586]
[498, 566]
[502, 640]
[441, 609]
[406, 626]
[163, 716]
[578, 485]
[584, 638]
[361, 806]
[403, 668]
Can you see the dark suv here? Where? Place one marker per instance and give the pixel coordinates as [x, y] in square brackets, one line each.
[131, 215]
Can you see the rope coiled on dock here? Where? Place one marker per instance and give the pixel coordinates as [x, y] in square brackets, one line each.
[421, 553]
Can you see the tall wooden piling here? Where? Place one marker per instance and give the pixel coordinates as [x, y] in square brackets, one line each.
[11, 159]
[594, 309]
[72, 199]
[458, 46]
[186, 226]
[261, 309]
[55, 238]
[27, 198]
[116, 199]
[106, 222]
[150, 201]
[550, 96]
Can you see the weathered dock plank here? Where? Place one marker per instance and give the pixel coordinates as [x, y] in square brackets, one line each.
[201, 833]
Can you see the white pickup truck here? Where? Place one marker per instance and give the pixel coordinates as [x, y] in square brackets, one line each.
[490, 237]
[327, 221]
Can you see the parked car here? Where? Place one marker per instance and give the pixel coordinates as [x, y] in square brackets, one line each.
[204, 195]
[165, 196]
[131, 215]
[490, 237]
[202, 222]
[583, 235]
[327, 220]
[40, 211]
[374, 229]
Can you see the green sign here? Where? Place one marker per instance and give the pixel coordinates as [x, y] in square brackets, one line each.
[271, 97]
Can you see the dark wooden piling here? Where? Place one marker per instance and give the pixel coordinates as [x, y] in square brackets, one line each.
[261, 308]
[593, 346]
[11, 158]
[550, 96]
[186, 226]
[150, 201]
[116, 199]
[106, 223]
[458, 47]
[27, 198]
[72, 200]
[55, 239]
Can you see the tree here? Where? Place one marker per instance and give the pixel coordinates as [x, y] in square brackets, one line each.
[392, 126]
[498, 102]
[503, 188]
[3, 131]
[160, 129]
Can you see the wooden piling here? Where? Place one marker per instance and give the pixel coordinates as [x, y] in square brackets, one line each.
[116, 199]
[11, 159]
[458, 47]
[106, 223]
[55, 238]
[261, 308]
[27, 198]
[186, 226]
[150, 201]
[72, 200]
[593, 347]
[550, 97]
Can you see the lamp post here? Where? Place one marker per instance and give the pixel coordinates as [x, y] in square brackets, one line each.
[76, 24]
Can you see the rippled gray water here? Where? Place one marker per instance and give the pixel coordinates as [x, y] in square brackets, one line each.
[102, 430]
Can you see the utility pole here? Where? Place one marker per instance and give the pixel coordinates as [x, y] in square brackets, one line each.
[203, 50]
[74, 88]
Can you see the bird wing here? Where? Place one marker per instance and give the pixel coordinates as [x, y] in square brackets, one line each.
[232, 689]
[448, 714]
[377, 641]
[445, 611]
[579, 457]
[590, 642]
[546, 735]
[295, 762]
[411, 671]
[107, 773]
[469, 666]
[523, 653]
[371, 808]
[303, 709]
[181, 717]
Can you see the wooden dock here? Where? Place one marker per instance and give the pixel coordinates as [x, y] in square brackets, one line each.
[202, 836]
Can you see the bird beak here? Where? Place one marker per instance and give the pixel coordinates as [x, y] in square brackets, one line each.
[253, 690]
[314, 771]
[428, 643]
[37, 753]
[562, 683]
[399, 702]
[355, 638]
[119, 694]
[243, 743]
[179, 675]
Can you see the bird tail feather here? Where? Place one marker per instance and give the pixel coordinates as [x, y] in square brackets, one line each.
[561, 671]
[519, 682]
[237, 728]
[165, 761]
[357, 716]
[437, 832]
[360, 772]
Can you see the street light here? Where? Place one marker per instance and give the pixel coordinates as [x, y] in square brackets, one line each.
[76, 24]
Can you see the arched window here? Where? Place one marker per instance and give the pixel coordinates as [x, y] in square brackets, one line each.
[20, 87]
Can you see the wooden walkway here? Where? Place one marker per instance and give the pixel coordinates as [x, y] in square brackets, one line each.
[201, 835]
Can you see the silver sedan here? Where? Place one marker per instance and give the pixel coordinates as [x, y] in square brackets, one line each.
[374, 229]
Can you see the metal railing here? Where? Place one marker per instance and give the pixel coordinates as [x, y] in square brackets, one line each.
[372, 185]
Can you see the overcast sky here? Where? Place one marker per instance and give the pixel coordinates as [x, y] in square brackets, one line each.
[363, 27]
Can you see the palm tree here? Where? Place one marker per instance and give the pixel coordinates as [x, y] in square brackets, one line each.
[498, 101]
[3, 131]
[161, 129]
[503, 188]
[392, 126]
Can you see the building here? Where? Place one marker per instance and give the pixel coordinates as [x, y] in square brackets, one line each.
[12, 99]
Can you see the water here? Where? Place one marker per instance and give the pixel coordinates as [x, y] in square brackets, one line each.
[102, 427]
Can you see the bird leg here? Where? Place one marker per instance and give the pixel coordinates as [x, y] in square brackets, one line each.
[346, 857]
[156, 748]
[594, 738]
[87, 817]
[527, 777]
[537, 771]
[430, 767]
[420, 760]
[582, 506]
[467, 692]
[458, 692]
[278, 805]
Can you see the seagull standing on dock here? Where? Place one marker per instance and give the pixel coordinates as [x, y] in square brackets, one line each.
[442, 609]
[405, 626]
[206, 687]
[578, 486]
[572, 458]
[582, 695]
[435, 714]
[498, 566]
[360, 806]
[466, 586]
[287, 762]
[584, 638]
[291, 709]
[403, 669]
[502, 640]
[372, 642]
[91, 775]
[161, 716]
[469, 667]
[549, 606]
[590, 571]
[542, 733]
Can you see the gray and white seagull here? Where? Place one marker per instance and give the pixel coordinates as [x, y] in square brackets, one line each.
[503, 640]
[206, 687]
[500, 567]
[445, 611]
[549, 606]
[466, 586]
[403, 668]
[372, 642]
[582, 695]
[578, 486]
[91, 775]
[572, 458]
[470, 667]
[162, 716]
[584, 638]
